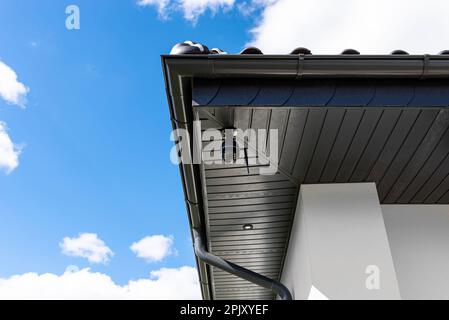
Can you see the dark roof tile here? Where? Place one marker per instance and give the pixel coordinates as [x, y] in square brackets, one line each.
[251, 50]
[301, 50]
[400, 52]
[350, 51]
[189, 47]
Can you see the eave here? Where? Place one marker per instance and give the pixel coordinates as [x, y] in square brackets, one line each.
[179, 70]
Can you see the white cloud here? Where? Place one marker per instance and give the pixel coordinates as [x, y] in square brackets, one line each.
[9, 152]
[87, 245]
[153, 248]
[370, 26]
[191, 9]
[165, 283]
[194, 8]
[161, 5]
[11, 90]
[250, 7]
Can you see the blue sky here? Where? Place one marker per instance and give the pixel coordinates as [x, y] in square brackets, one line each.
[94, 131]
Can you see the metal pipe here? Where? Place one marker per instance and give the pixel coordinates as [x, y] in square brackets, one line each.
[251, 276]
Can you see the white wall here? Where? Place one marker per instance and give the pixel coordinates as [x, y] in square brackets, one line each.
[341, 229]
[419, 243]
[338, 236]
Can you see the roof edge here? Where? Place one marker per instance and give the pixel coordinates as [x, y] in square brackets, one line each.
[290, 66]
[179, 70]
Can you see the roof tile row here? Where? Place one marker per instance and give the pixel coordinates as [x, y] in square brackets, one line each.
[190, 47]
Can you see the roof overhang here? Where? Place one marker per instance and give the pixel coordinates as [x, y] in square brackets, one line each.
[184, 78]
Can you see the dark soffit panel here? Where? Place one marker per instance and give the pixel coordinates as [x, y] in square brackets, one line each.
[329, 93]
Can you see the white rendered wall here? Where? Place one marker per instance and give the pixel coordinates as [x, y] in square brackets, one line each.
[338, 244]
[419, 242]
[340, 230]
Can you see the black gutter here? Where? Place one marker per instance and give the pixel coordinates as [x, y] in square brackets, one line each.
[256, 278]
[366, 66]
[188, 172]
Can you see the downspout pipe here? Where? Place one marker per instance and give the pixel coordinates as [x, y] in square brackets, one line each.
[251, 276]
